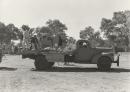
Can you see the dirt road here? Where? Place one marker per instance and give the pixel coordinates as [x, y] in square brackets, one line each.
[16, 76]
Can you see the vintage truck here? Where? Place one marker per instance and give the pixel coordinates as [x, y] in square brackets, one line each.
[86, 54]
[83, 53]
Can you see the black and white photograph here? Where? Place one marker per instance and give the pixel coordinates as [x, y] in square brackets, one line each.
[64, 45]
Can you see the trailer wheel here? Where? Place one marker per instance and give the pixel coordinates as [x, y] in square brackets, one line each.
[104, 63]
[41, 63]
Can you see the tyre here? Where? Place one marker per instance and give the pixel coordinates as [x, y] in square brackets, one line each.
[104, 63]
[41, 63]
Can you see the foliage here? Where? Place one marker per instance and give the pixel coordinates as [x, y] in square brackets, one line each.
[56, 29]
[12, 30]
[94, 37]
[87, 33]
[116, 30]
[56, 26]
[71, 40]
[25, 27]
[8, 33]
[52, 32]
[45, 29]
[3, 32]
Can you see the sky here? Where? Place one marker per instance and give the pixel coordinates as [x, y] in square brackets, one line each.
[76, 14]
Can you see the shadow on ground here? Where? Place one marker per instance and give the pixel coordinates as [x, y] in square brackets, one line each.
[7, 69]
[75, 69]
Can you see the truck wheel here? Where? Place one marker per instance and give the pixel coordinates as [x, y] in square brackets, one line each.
[104, 63]
[41, 63]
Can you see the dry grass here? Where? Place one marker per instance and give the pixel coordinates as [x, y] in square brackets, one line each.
[16, 76]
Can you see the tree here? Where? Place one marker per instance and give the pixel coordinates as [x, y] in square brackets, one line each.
[87, 33]
[13, 31]
[107, 26]
[119, 17]
[45, 29]
[116, 29]
[25, 27]
[94, 37]
[2, 32]
[71, 40]
[127, 13]
[8, 33]
[20, 35]
[56, 26]
[57, 29]
[26, 36]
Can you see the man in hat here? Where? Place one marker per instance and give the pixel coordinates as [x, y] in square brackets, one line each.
[34, 42]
